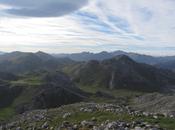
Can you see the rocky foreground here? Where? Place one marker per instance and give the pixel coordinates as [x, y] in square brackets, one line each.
[90, 116]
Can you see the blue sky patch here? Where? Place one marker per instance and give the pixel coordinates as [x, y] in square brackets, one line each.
[120, 23]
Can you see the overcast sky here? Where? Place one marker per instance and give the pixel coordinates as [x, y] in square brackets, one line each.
[65, 26]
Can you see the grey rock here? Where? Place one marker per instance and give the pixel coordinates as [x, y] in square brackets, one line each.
[45, 125]
[66, 115]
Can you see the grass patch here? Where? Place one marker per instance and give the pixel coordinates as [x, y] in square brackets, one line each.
[114, 92]
[30, 81]
[90, 89]
[6, 113]
[168, 123]
[126, 95]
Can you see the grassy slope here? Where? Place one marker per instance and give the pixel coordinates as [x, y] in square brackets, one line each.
[55, 117]
[6, 113]
[119, 93]
[116, 93]
[30, 83]
[168, 123]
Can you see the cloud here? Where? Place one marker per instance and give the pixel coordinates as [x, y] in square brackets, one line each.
[145, 14]
[93, 22]
[137, 25]
[42, 8]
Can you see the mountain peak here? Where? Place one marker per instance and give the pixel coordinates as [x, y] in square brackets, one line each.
[123, 58]
[104, 52]
[120, 59]
[40, 52]
[43, 55]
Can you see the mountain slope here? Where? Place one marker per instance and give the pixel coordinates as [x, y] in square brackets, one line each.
[57, 90]
[19, 62]
[39, 90]
[86, 56]
[7, 93]
[1, 53]
[7, 76]
[167, 65]
[121, 72]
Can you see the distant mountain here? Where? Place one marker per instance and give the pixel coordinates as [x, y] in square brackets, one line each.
[44, 56]
[167, 65]
[19, 62]
[1, 53]
[121, 72]
[86, 56]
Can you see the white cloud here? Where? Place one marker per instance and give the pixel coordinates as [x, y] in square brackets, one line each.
[137, 25]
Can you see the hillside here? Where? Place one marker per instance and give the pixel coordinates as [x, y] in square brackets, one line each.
[155, 102]
[90, 116]
[20, 62]
[7, 93]
[167, 65]
[39, 90]
[121, 72]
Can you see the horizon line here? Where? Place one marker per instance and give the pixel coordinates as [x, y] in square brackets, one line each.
[90, 52]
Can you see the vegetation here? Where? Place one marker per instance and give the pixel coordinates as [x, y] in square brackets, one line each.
[28, 81]
[6, 113]
[55, 117]
[168, 123]
[87, 81]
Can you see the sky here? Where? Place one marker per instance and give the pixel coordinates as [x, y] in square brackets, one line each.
[69, 26]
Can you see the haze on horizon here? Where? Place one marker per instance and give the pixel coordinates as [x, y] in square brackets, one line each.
[64, 26]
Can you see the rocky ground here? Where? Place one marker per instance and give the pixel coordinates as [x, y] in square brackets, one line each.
[91, 116]
[156, 102]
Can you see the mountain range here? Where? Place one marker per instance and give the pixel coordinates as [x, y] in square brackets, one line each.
[121, 72]
[166, 62]
[20, 62]
[86, 56]
[33, 81]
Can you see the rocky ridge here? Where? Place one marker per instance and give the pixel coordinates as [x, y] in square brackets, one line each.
[88, 116]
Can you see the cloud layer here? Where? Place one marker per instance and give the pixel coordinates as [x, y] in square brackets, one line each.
[138, 25]
[42, 8]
